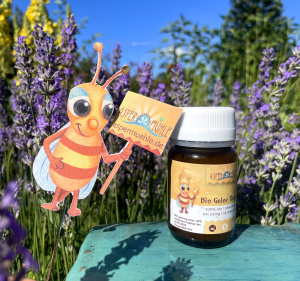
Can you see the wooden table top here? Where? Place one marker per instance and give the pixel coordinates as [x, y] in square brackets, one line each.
[147, 251]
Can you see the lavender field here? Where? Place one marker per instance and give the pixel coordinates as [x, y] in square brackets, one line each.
[41, 62]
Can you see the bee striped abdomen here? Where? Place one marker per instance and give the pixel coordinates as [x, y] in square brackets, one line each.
[80, 163]
[81, 149]
[184, 200]
[72, 172]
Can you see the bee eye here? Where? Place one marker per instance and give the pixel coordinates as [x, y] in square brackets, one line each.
[80, 106]
[108, 110]
[107, 106]
[79, 103]
[187, 187]
[182, 187]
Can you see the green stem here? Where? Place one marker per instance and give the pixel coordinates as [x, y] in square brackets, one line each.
[35, 227]
[246, 152]
[33, 117]
[43, 242]
[292, 173]
[116, 198]
[68, 247]
[63, 250]
[270, 198]
[266, 143]
[298, 217]
[57, 238]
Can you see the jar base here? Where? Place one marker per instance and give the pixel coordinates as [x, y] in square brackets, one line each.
[208, 241]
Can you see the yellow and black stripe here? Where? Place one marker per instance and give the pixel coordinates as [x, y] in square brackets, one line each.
[80, 164]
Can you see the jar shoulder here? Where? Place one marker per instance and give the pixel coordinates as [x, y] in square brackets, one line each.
[198, 155]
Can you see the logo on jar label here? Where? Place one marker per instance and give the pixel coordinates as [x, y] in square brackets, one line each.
[221, 173]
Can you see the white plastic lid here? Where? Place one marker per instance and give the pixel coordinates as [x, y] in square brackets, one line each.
[205, 124]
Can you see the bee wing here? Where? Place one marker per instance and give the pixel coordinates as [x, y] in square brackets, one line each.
[178, 203]
[85, 191]
[41, 166]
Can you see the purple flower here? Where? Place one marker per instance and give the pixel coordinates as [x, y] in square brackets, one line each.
[101, 76]
[48, 63]
[217, 95]
[3, 103]
[293, 118]
[24, 99]
[266, 65]
[42, 122]
[119, 87]
[144, 78]
[160, 93]
[68, 47]
[179, 95]
[116, 55]
[48, 83]
[78, 80]
[267, 148]
[12, 235]
[236, 95]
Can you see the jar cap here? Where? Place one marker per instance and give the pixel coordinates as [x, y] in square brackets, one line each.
[205, 124]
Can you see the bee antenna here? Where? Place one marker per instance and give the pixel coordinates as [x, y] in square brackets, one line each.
[98, 47]
[124, 70]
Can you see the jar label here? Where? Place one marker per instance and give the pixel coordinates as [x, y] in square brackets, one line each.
[203, 197]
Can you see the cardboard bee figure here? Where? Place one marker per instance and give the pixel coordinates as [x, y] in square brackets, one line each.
[69, 159]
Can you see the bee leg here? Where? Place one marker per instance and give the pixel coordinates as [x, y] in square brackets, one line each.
[186, 210]
[181, 210]
[74, 211]
[63, 194]
[53, 206]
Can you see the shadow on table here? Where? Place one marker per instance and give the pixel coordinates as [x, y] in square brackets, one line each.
[239, 230]
[178, 270]
[121, 254]
[106, 228]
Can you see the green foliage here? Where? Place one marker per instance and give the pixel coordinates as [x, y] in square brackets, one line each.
[248, 28]
[232, 52]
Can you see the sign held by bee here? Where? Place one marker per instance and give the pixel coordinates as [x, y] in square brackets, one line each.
[145, 122]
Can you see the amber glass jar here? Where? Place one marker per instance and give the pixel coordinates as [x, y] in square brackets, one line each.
[202, 177]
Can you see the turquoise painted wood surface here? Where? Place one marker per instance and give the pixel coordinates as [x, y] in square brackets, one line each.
[147, 251]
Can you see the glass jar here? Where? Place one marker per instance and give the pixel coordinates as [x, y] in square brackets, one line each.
[202, 168]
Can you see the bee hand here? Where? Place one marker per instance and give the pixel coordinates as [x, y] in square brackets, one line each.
[56, 163]
[125, 153]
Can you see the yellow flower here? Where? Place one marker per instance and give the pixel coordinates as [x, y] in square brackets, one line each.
[35, 14]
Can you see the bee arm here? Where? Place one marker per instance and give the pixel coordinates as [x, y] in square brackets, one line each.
[50, 139]
[109, 158]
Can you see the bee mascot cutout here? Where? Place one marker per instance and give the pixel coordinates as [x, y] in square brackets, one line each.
[69, 159]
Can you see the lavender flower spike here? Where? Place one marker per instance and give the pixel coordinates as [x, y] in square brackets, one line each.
[145, 77]
[217, 95]
[180, 91]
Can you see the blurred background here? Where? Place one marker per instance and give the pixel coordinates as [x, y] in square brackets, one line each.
[198, 34]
